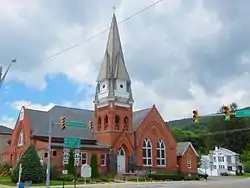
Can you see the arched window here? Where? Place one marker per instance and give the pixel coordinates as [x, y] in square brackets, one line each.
[20, 138]
[106, 121]
[161, 153]
[126, 123]
[147, 152]
[117, 120]
[99, 121]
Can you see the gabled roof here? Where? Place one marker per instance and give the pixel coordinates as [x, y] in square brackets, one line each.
[183, 146]
[224, 150]
[39, 121]
[139, 116]
[5, 130]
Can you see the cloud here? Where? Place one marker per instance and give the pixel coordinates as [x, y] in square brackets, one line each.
[180, 54]
[28, 104]
[7, 121]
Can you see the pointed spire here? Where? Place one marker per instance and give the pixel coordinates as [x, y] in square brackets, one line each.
[113, 65]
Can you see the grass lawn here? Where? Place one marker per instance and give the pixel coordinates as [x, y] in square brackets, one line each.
[6, 181]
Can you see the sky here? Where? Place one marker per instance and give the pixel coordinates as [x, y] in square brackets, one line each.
[181, 55]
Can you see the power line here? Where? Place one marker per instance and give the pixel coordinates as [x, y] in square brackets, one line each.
[226, 131]
[104, 31]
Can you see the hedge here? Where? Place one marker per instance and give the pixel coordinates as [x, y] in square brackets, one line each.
[173, 177]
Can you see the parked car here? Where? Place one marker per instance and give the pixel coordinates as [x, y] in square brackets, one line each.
[201, 174]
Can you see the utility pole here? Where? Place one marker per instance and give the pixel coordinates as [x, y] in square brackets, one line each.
[2, 78]
[49, 154]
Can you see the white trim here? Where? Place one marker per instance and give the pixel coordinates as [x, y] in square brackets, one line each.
[189, 144]
[20, 138]
[21, 114]
[105, 158]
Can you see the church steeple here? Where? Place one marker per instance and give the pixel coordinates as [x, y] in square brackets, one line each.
[113, 81]
[113, 65]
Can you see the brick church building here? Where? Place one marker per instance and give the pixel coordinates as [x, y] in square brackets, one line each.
[124, 140]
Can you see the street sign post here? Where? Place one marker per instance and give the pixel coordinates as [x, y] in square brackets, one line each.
[242, 113]
[75, 124]
[72, 143]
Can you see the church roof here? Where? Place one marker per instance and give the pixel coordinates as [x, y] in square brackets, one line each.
[113, 65]
[5, 130]
[39, 121]
[183, 146]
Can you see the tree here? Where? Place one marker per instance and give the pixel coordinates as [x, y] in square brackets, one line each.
[225, 134]
[32, 168]
[70, 167]
[94, 166]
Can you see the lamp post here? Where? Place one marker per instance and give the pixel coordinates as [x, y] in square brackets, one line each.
[2, 78]
[49, 154]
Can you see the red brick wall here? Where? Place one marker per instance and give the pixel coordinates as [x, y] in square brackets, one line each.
[182, 161]
[110, 136]
[16, 151]
[154, 128]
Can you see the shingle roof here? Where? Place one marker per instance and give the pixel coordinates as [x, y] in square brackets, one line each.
[139, 116]
[5, 130]
[39, 121]
[182, 147]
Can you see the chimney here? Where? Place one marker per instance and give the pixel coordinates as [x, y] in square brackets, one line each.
[216, 148]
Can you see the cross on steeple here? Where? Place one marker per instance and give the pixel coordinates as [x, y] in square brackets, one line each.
[114, 8]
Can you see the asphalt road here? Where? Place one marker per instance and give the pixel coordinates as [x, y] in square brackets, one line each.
[215, 183]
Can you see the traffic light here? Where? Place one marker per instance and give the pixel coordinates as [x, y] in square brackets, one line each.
[63, 122]
[195, 116]
[227, 112]
[90, 124]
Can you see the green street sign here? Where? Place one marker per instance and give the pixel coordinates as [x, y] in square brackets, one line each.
[227, 118]
[242, 113]
[76, 124]
[72, 143]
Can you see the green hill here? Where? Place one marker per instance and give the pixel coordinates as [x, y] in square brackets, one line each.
[188, 124]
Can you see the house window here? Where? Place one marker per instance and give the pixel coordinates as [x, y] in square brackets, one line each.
[214, 159]
[161, 153]
[147, 152]
[103, 160]
[189, 163]
[221, 167]
[54, 153]
[45, 155]
[230, 168]
[84, 158]
[229, 159]
[20, 139]
[220, 159]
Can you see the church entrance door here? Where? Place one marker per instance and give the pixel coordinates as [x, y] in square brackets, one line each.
[121, 161]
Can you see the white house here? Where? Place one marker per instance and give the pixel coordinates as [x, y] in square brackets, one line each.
[220, 160]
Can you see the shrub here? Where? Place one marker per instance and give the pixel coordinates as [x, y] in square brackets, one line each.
[70, 167]
[163, 177]
[5, 167]
[247, 167]
[31, 167]
[68, 177]
[94, 166]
